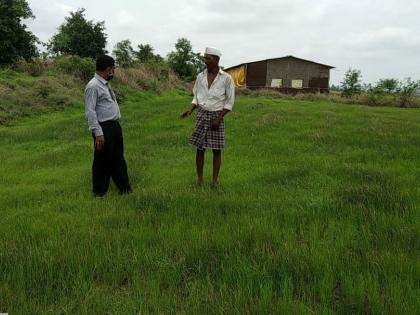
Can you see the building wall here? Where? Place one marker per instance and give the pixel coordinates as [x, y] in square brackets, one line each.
[319, 76]
[288, 69]
[256, 74]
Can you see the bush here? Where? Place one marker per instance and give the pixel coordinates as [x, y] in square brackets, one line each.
[82, 68]
[35, 67]
[375, 97]
[154, 76]
[406, 92]
[313, 97]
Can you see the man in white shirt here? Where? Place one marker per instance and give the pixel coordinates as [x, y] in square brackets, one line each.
[214, 96]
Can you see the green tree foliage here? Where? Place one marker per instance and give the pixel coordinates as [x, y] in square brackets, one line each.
[184, 61]
[145, 53]
[388, 85]
[15, 41]
[406, 91]
[78, 36]
[335, 88]
[366, 87]
[352, 83]
[80, 67]
[124, 53]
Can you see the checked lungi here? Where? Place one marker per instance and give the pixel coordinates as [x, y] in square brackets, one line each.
[205, 138]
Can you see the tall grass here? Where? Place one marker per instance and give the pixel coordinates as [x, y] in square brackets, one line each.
[23, 95]
[317, 214]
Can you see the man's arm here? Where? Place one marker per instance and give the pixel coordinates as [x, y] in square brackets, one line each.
[230, 93]
[194, 103]
[91, 97]
[230, 99]
[216, 122]
[189, 111]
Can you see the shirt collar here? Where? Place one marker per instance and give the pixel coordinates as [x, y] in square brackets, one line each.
[100, 79]
[220, 71]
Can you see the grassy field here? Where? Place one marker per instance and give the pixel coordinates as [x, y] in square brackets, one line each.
[318, 213]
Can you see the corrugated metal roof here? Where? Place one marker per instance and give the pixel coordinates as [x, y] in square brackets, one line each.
[290, 56]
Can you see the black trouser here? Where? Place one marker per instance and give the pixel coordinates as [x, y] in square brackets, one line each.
[109, 161]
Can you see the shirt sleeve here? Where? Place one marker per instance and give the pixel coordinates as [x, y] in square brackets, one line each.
[195, 88]
[230, 93]
[91, 96]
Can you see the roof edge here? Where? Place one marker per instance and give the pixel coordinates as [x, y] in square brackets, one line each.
[288, 56]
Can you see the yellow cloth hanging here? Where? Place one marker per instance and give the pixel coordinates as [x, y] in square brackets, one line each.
[238, 75]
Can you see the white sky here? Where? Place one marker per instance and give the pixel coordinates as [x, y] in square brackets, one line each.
[379, 37]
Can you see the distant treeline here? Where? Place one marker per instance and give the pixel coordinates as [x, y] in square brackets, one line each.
[77, 36]
[81, 37]
[387, 91]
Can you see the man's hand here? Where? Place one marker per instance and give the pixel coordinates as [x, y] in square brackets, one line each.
[215, 123]
[189, 111]
[99, 142]
[186, 113]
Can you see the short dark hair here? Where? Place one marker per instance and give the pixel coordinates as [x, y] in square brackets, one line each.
[103, 62]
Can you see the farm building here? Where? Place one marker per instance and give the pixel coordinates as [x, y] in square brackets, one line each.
[288, 74]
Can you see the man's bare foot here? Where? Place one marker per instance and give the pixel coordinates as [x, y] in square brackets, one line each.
[215, 185]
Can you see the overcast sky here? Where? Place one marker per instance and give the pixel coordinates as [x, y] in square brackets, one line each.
[379, 37]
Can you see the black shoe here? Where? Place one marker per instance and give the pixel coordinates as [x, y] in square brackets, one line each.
[99, 195]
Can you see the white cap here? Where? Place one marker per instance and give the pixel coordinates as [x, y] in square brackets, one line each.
[213, 51]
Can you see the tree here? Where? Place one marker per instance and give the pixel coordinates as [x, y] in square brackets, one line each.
[352, 83]
[184, 61]
[388, 85]
[77, 36]
[123, 53]
[406, 91]
[145, 53]
[366, 87]
[15, 41]
[335, 88]
[198, 63]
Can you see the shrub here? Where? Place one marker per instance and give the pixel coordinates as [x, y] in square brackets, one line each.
[406, 92]
[154, 76]
[375, 97]
[352, 83]
[35, 67]
[82, 68]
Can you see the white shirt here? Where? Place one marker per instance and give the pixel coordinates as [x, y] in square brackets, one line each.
[221, 94]
[100, 104]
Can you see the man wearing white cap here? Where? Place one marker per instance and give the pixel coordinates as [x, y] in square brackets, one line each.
[214, 96]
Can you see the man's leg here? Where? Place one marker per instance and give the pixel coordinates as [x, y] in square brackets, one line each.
[100, 170]
[217, 161]
[199, 161]
[119, 166]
